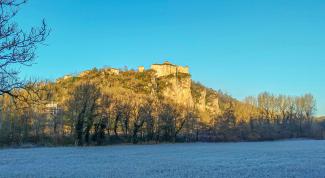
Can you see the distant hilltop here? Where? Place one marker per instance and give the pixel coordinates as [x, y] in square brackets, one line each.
[161, 70]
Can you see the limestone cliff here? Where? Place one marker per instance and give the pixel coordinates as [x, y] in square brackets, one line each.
[177, 89]
[206, 101]
[175, 84]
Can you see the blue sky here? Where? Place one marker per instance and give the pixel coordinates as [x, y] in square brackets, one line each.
[241, 47]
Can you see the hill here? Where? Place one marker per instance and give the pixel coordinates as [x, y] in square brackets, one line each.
[162, 82]
[160, 104]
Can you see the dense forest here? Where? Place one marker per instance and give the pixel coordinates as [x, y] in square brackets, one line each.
[103, 108]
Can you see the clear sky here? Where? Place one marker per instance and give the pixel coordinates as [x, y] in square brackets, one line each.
[241, 47]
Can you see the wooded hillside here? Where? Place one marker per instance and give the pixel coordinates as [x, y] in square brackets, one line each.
[101, 107]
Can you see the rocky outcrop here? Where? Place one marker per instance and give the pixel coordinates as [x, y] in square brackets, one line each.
[178, 87]
[212, 104]
[206, 102]
[178, 90]
[201, 100]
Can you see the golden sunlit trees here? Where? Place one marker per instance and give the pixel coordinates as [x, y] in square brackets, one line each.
[143, 120]
[83, 107]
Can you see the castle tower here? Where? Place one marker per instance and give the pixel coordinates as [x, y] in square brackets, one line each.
[141, 69]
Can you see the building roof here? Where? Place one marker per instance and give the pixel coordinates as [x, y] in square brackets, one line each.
[166, 63]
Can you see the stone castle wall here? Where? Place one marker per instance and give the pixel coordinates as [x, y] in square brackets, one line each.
[164, 70]
[167, 68]
[184, 70]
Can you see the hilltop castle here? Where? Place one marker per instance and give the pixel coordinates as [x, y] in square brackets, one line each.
[166, 69]
[161, 70]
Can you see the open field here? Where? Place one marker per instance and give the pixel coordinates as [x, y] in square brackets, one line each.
[299, 158]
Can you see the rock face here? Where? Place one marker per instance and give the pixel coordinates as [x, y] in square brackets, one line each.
[212, 105]
[201, 101]
[206, 102]
[175, 84]
[178, 90]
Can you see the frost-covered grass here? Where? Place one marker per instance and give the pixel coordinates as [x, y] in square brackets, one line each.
[300, 158]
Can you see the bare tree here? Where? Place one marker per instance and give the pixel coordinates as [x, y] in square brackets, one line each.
[83, 106]
[17, 47]
[103, 121]
[143, 119]
[183, 115]
[122, 115]
[167, 122]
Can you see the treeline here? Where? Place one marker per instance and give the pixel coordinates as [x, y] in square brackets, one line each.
[269, 117]
[91, 115]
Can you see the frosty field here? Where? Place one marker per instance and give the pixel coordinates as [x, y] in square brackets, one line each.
[301, 158]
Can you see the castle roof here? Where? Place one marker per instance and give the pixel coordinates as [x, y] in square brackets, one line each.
[166, 63]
